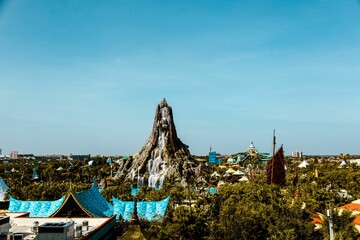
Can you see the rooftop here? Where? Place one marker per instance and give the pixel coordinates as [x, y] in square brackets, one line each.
[21, 223]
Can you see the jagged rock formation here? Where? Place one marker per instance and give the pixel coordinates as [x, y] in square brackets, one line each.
[163, 156]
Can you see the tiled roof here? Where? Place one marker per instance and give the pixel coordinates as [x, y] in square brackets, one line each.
[35, 208]
[151, 210]
[352, 207]
[94, 202]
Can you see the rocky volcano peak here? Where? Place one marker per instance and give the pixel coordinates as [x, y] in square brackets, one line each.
[163, 156]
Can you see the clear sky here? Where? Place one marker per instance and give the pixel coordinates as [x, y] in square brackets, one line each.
[84, 77]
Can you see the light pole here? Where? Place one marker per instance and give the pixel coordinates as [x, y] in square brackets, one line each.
[331, 224]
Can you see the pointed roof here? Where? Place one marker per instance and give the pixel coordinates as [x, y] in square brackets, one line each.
[35, 175]
[220, 183]
[238, 173]
[231, 160]
[230, 171]
[89, 202]
[94, 202]
[215, 174]
[71, 208]
[243, 179]
[303, 164]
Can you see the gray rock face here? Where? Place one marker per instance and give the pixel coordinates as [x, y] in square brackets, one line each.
[163, 157]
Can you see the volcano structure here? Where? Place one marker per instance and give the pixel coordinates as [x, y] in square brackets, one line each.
[163, 156]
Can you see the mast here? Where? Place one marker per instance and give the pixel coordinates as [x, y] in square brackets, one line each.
[274, 143]
[276, 166]
[272, 160]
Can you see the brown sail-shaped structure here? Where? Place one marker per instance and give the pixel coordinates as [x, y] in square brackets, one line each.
[276, 168]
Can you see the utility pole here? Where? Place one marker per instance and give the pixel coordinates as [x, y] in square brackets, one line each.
[272, 160]
[331, 224]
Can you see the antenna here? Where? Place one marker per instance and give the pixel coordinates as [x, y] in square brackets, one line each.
[274, 143]
[272, 160]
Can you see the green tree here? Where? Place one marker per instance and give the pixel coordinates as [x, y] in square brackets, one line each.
[343, 226]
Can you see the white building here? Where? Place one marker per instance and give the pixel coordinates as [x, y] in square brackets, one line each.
[355, 161]
[13, 154]
[21, 226]
[297, 154]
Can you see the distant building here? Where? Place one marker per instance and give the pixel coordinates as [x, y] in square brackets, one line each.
[355, 161]
[297, 154]
[213, 159]
[2, 156]
[252, 149]
[252, 154]
[26, 156]
[13, 154]
[79, 157]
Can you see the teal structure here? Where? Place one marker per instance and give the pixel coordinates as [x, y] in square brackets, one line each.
[35, 208]
[213, 159]
[94, 202]
[35, 175]
[152, 210]
[94, 205]
[211, 190]
[134, 191]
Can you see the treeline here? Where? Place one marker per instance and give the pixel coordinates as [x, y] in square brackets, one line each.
[239, 210]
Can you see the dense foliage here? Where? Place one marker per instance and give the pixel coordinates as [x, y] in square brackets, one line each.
[238, 211]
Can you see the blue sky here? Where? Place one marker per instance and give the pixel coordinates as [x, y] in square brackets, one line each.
[86, 76]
